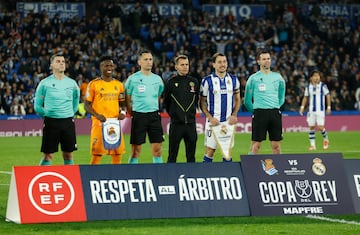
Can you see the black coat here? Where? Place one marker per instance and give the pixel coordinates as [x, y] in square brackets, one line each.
[181, 97]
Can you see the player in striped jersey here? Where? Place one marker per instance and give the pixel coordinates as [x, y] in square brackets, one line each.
[317, 96]
[219, 101]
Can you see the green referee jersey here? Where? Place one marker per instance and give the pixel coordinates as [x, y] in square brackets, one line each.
[144, 91]
[264, 91]
[57, 98]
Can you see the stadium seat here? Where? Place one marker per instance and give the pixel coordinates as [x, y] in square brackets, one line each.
[170, 55]
[144, 32]
[158, 45]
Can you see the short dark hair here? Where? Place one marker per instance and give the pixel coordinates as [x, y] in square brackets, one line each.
[105, 57]
[55, 55]
[313, 72]
[177, 58]
[143, 52]
[213, 58]
[262, 51]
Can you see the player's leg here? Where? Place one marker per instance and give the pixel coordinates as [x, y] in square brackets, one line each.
[210, 144]
[96, 143]
[311, 120]
[175, 136]
[156, 136]
[50, 141]
[116, 155]
[190, 142]
[137, 135]
[275, 131]
[321, 124]
[68, 140]
[259, 121]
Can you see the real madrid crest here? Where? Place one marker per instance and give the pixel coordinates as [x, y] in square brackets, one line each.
[192, 85]
[318, 167]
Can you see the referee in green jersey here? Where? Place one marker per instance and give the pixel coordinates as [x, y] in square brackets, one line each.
[264, 95]
[57, 100]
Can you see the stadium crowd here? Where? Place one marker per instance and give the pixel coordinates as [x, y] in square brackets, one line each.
[299, 44]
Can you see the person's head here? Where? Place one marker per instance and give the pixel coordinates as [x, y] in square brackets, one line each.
[106, 66]
[182, 65]
[57, 63]
[315, 76]
[263, 59]
[145, 61]
[219, 62]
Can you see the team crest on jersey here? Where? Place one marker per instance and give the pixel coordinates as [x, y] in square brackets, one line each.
[116, 88]
[192, 86]
[176, 84]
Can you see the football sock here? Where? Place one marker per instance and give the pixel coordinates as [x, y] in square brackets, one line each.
[157, 159]
[207, 159]
[324, 134]
[116, 159]
[68, 162]
[133, 160]
[45, 162]
[95, 159]
[312, 138]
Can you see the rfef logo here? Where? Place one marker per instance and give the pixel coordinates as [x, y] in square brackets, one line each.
[54, 194]
[51, 193]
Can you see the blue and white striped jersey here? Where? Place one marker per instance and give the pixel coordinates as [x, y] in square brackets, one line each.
[316, 95]
[219, 93]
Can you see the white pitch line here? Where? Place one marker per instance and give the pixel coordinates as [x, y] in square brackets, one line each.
[5, 172]
[342, 221]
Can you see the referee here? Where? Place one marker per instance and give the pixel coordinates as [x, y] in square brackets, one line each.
[264, 95]
[181, 96]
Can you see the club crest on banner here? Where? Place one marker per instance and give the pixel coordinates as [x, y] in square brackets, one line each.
[224, 136]
[111, 129]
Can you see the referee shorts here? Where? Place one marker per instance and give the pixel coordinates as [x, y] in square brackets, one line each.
[58, 130]
[146, 123]
[266, 121]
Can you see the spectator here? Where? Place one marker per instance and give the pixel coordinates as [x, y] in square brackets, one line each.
[17, 108]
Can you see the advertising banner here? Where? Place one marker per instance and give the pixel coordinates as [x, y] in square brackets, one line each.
[352, 167]
[65, 10]
[296, 184]
[164, 191]
[44, 194]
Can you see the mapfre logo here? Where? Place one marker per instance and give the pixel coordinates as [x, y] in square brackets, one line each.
[51, 193]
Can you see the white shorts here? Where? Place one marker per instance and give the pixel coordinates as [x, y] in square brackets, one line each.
[316, 118]
[209, 137]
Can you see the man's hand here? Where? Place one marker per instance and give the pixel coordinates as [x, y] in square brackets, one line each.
[232, 120]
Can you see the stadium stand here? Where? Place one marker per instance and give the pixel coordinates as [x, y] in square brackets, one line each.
[299, 44]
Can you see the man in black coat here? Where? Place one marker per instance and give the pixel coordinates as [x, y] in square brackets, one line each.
[181, 96]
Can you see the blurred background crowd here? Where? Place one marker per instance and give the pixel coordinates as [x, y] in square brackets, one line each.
[299, 43]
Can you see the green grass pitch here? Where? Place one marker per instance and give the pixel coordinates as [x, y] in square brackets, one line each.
[19, 151]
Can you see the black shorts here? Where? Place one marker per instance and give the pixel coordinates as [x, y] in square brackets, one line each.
[58, 130]
[266, 120]
[142, 123]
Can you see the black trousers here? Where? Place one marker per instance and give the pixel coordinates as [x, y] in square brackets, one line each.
[187, 132]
